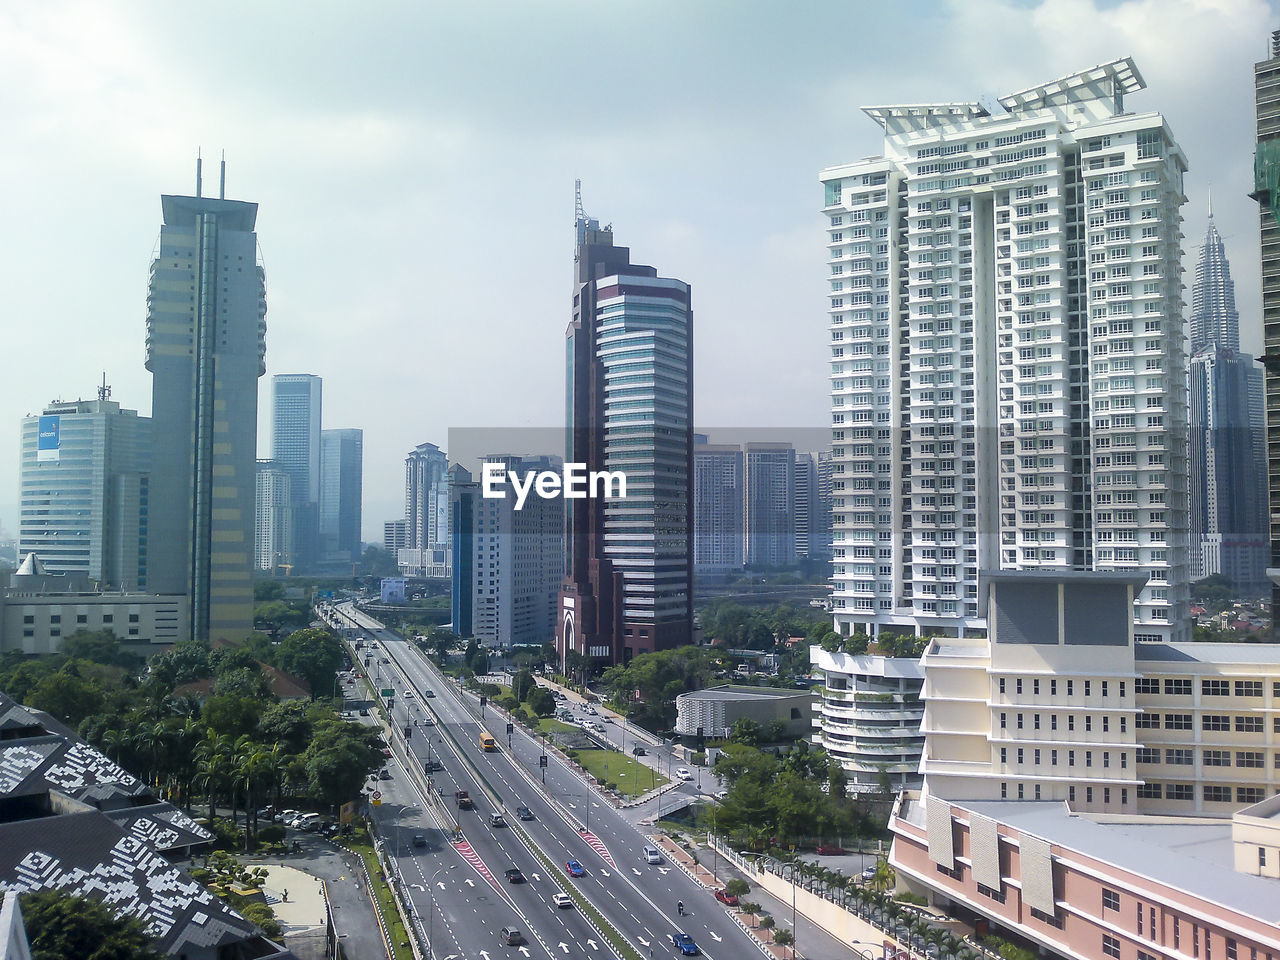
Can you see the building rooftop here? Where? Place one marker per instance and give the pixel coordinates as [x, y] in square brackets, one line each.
[733, 691]
[1208, 652]
[1194, 856]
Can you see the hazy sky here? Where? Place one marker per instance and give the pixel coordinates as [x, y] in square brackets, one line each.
[414, 167]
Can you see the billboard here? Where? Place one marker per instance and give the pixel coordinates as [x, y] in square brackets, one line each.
[48, 437]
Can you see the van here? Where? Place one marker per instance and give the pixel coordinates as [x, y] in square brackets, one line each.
[652, 855]
[511, 936]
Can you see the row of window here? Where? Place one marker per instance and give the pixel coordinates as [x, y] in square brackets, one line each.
[80, 618]
[1104, 687]
[1145, 916]
[1104, 722]
[1211, 793]
[1210, 721]
[1208, 688]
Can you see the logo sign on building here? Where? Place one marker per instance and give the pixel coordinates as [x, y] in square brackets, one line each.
[48, 437]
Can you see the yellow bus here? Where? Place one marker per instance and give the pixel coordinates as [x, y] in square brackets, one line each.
[486, 741]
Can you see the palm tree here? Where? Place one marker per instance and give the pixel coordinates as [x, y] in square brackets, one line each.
[937, 938]
[885, 878]
[920, 928]
[115, 742]
[955, 946]
[152, 740]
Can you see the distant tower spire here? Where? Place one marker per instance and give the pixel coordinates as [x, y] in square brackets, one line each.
[199, 164]
[104, 391]
[1211, 203]
[578, 213]
[222, 178]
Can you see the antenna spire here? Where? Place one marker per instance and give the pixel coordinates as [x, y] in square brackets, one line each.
[104, 391]
[222, 178]
[199, 164]
[578, 213]
[1211, 203]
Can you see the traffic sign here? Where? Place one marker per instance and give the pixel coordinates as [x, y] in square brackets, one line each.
[388, 692]
[542, 760]
[510, 727]
[377, 794]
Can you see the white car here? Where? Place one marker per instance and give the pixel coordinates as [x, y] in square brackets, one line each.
[652, 855]
[684, 773]
[562, 900]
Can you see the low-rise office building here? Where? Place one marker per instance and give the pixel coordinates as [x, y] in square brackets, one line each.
[867, 713]
[712, 712]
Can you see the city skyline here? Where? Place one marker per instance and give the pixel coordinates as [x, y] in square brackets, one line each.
[697, 225]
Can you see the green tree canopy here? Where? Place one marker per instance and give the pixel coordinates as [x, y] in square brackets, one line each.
[542, 701]
[66, 696]
[521, 685]
[185, 662]
[99, 646]
[231, 714]
[286, 723]
[745, 730]
[60, 926]
[314, 655]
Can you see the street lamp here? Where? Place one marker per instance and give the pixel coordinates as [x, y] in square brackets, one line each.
[431, 910]
[795, 938]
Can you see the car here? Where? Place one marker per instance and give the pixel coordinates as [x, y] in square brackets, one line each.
[589, 710]
[562, 900]
[429, 694]
[514, 875]
[419, 840]
[428, 722]
[652, 855]
[433, 766]
[638, 751]
[384, 774]
[408, 694]
[386, 751]
[684, 943]
[869, 873]
[830, 850]
[285, 815]
[574, 869]
[606, 720]
[497, 820]
[722, 794]
[727, 898]
[684, 773]
[524, 813]
[511, 936]
[364, 711]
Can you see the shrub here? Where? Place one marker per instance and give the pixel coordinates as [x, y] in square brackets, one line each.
[767, 922]
[261, 914]
[737, 887]
[784, 938]
[274, 833]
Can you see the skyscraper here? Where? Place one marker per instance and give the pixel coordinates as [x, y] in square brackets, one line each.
[206, 349]
[84, 488]
[717, 508]
[341, 493]
[1266, 168]
[274, 518]
[295, 449]
[426, 507]
[1007, 362]
[769, 504]
[507, 563]
[1227, 467]
[628, 586]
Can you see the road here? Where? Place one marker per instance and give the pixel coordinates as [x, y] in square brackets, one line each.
[639, 899]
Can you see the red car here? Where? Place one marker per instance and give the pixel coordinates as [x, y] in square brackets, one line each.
[829, 850]
[725, 897]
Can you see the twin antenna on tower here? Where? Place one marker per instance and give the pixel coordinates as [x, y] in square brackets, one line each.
[222, 177]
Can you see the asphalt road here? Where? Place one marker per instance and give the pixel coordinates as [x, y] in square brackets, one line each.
[639, 899]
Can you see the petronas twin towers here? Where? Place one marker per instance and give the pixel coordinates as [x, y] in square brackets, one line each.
[1228, 483]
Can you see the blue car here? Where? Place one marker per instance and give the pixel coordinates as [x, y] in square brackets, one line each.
[574, 869]
[684, 943]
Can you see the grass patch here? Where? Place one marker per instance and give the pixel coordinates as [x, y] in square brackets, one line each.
[382, 891]
[610, 766]
[549, 725]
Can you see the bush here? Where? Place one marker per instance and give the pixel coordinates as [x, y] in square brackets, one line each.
[227, 836]
[509, 703]
[261, 914]
[737, 887]
[274, 833]
[767, 922]
[907, 897]
[784, 938]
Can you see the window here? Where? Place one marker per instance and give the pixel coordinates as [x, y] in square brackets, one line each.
[1250, 795]
[1215, 688]
[989, 893]
[1215, 793]
[1177, 687]
[1110, 899]
[1110, 946]
[1216, 721]
[1248, 688]
[1216, 758]
[1052, 919]
[1249, 758]
[1248, 724]
[1184, 758]
[1177, 721]
[1147, 721]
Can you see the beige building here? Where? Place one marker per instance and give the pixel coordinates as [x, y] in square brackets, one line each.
[712, 712]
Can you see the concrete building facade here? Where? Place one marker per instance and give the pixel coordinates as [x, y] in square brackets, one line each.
[426, 496]
[711, 713]
[717, 508]
[1007, 362]
[769, 504]
[341, 493]
[273, 524]
[867, 715]
[84, 482]
[206, 349]
[296, 400]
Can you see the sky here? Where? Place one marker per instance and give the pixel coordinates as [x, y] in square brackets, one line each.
[414, 166]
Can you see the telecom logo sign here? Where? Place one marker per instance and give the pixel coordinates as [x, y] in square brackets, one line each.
[48, 438]
[574, 482]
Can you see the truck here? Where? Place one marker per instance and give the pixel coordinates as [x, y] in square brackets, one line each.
[462, 799]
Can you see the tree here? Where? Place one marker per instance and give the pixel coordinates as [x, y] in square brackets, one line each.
[99, 646]
[185, 662]
[837, 780]
[264, 590]
[784, 938]
[314, 655]
[274, 615]
[737, 887]
[61, 925]
[286, 723]
[521, 684]
[775, 731]
[542, 701]
[745, 731]
[336, 772]
[67, 697]
[231, 714]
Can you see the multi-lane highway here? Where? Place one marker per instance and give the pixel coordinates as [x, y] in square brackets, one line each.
[473, 901]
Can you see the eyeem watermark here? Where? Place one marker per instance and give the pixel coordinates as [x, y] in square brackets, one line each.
[575, 482]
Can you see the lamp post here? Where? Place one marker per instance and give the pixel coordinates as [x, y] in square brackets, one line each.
[795, 945]
[431, 910]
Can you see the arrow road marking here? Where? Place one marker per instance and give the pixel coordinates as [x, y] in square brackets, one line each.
[643, 941]
[593, 944]
[635, 871]
[440, 884]
[525, 951]
[418, 886]
[535, 876]
[604, 873]
[469, 882]
[714, 937]
[564, 946]
[485, 954]
[664, 870]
